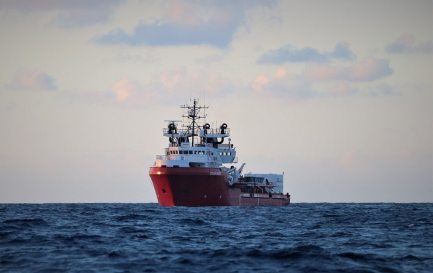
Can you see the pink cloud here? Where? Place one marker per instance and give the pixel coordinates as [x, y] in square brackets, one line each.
[182, 81]
[319, 81]
[170, 86]
[370, 69]
[280, 73]
[282, 84]
[260, 82]
[322, 72]
[33, 80]
[123, 89]
[133, 94]
[173, 78]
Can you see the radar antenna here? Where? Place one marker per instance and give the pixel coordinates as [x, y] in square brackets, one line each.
[193, 113]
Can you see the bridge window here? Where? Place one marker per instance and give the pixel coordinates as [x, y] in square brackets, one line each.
[254, 179]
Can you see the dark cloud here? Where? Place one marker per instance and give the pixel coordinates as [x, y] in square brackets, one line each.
[342, 52]
[289, 53]
[168, 34]
[212, 23]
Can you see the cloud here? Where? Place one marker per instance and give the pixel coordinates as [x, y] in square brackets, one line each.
[323, 81]
[316, 81]
[282, 84]
[68, 13]
[168, 34]
[342, 51]
[170, 86]
[183, 82]
[186, 23]
[381, 90]
[289, 53]
[407, 43]
[124, 88]
[370, 69]
[33, 80]
[130, 93]
[83, 17]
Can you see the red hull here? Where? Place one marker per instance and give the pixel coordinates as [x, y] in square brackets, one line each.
[194, 187]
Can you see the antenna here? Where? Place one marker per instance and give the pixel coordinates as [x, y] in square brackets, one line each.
[193, 113]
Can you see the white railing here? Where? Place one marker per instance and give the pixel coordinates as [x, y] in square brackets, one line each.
[181, 132]
[185, 132]
[217, 131]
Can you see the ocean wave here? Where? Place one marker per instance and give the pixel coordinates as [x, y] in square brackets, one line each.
[148, 238]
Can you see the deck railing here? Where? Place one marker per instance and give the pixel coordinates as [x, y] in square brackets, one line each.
[185, 132]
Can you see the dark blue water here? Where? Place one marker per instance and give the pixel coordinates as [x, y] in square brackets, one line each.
[148, 238]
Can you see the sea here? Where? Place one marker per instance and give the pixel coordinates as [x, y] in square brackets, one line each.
[303, 237]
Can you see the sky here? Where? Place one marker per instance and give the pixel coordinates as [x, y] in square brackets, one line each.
[338, 95]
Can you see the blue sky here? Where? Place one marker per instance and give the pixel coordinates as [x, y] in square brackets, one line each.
[336, 94]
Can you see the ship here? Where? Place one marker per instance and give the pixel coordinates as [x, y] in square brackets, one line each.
[198, 168]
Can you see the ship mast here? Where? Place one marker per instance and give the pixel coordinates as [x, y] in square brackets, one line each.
[193, 113]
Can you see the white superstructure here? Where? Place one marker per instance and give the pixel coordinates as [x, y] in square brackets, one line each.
[196, 145]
